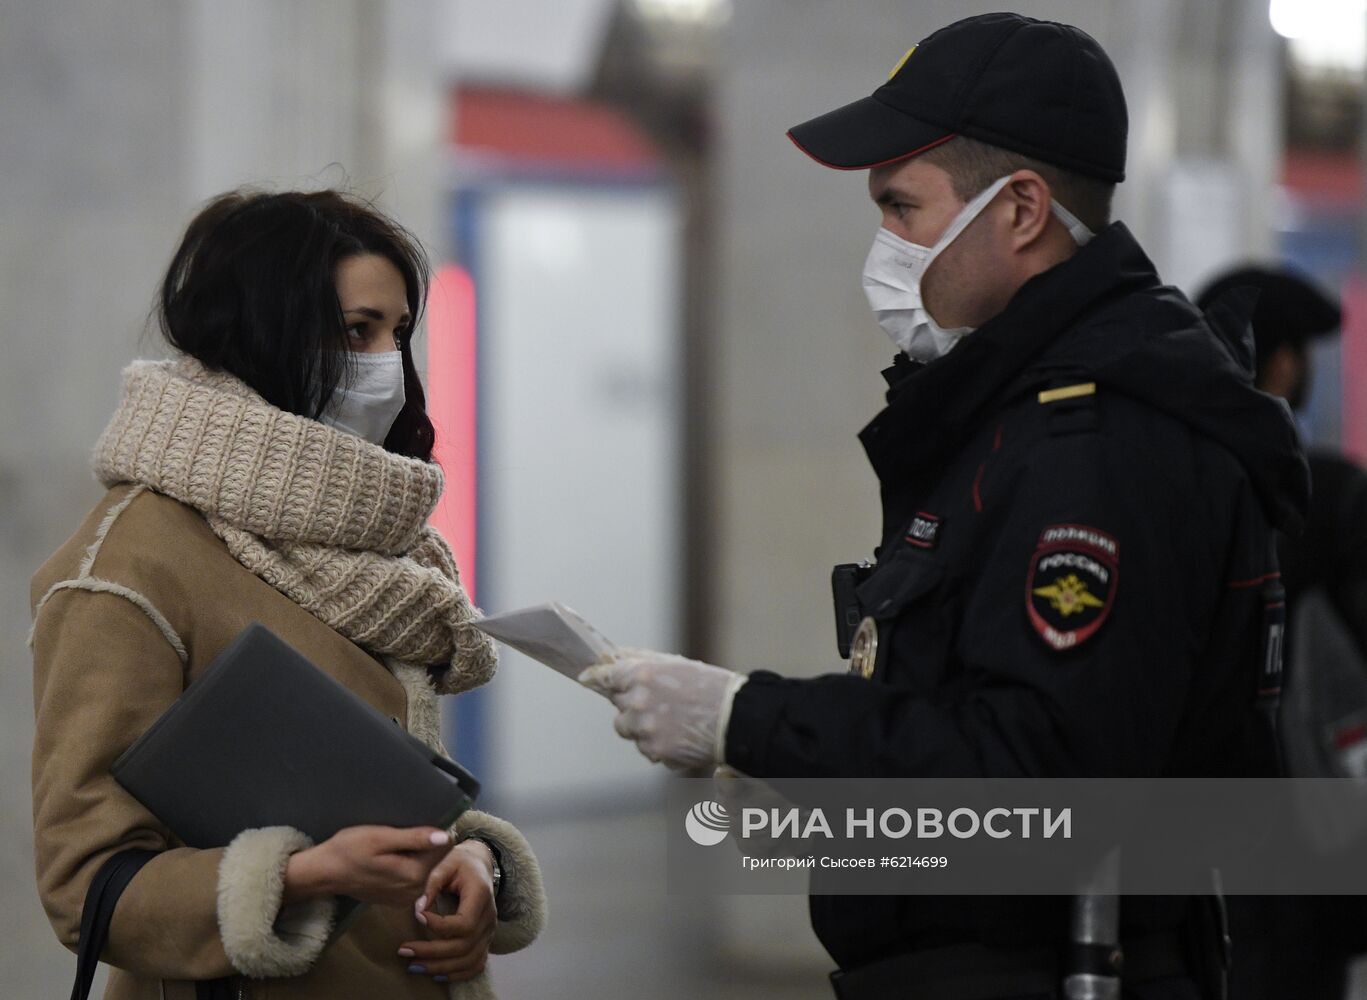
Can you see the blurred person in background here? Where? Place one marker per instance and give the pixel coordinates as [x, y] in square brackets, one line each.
[1054, 412]
[1301, 946]
[276, 469]
[1289, 314]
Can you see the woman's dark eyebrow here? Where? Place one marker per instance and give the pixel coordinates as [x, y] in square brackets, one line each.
[375, 314]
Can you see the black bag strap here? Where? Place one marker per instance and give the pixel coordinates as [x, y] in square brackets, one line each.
[100, 899]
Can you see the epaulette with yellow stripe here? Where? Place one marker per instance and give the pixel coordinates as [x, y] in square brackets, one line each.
[1067, 392]
[1072, 407]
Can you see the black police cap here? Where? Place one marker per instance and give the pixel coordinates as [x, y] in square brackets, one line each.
[1040, 88]
[1290, 309]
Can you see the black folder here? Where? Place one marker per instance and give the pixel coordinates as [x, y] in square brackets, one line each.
[265, 738]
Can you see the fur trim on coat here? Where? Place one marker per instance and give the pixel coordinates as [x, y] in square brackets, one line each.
[263, 938]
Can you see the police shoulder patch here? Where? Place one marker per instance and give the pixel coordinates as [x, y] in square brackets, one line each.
[1071, 584]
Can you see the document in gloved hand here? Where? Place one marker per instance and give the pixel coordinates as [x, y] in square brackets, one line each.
[551, 633]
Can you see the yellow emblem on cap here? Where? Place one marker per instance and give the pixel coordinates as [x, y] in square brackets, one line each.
[1069, 596]
[901, 62]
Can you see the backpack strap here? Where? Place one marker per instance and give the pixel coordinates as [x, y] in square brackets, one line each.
[1268, 692]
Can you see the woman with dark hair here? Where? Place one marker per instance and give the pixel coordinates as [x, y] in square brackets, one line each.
[277, 469]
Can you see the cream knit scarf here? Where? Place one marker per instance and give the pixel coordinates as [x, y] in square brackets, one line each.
[333, 522]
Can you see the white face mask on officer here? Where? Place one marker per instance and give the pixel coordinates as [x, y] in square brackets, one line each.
[895, 267]
[369, 405]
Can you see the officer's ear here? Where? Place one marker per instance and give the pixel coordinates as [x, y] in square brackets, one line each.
[1030, 199]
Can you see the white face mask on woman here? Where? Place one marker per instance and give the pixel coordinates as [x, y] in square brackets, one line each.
[895, 267]
[369, 405]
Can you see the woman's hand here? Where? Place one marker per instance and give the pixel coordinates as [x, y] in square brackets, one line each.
[375, 864]
[461, 945]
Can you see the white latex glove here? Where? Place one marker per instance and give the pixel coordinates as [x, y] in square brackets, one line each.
[674, 708]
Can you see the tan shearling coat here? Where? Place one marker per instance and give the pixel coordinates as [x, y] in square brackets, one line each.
[128, 612]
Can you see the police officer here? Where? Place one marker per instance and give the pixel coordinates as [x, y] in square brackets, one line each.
[1301, 946]
[1079, 484]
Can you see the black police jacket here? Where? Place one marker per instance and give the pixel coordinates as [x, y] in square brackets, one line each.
[1078, 504]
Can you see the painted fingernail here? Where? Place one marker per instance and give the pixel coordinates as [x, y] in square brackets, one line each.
[440, 979]
[421, 904]
[422, 919]
[418, 970]
[406, 952]
[440, 839]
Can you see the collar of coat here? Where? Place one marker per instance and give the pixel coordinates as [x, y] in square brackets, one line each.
[933, 408]
[1102, 316]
